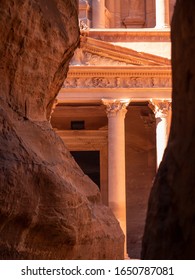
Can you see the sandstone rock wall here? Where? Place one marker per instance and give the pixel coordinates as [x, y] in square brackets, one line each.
[48, 208]
[170, 227]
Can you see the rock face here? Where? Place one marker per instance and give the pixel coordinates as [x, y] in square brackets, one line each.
[170, 225]
[48, 208]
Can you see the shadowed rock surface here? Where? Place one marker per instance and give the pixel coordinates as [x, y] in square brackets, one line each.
[170, 225]
[48, 208]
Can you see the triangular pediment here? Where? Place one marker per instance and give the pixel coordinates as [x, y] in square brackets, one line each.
[93, 52]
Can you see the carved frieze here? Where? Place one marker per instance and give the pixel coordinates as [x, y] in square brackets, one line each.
[117, 82]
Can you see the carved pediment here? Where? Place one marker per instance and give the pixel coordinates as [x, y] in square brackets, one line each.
[82, 57]
[94, 52]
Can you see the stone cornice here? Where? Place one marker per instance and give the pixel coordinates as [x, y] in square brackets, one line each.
[131, 35]
[118, 53]
[112, 71]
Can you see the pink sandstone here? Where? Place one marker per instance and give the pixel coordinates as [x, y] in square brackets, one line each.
[48, 208]
[170, 224]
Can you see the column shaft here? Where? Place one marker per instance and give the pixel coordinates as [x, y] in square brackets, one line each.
[117, 14]
[116, 110]
[162, 13]
[98, 13]
[162, 110]
[116, 168]
[161, 138]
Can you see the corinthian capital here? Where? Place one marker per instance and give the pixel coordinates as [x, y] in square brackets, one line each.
[115, 106]
[160, 107]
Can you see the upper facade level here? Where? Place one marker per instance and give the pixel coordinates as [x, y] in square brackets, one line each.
[126, 13]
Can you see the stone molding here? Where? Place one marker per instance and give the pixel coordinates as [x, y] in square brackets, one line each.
[103, 81]
[131, 35]
[119, 53]
[136, 22]
[160, 107]
[114, 106]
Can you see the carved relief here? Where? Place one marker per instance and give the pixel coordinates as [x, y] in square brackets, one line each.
[114, 106]
[161, 82]
[93, 59]
[70, 83]
[160, 107]
[118, 82]
[103, 82]
[86, 58]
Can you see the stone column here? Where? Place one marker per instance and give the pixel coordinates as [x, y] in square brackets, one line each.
[114, 8]
[98, 13]
[162, 110]
[84, 13]
[110, 5]
[116, 111]
[117, 15]
[162, 14]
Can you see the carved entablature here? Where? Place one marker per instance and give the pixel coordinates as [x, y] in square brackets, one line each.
[118, 82]
[98, 64]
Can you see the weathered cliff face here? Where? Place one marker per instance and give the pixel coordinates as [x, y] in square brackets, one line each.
[48, 208]
[170, 225]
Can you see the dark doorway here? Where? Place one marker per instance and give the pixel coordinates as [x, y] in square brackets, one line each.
[89, 161]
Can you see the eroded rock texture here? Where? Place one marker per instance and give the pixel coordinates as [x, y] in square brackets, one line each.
[170, 225]
[48, 208]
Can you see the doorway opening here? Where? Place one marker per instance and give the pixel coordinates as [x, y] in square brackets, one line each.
[89, 162]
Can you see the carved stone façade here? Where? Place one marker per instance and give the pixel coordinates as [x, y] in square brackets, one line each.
[98, 64]
[106, 72]
[118, 82]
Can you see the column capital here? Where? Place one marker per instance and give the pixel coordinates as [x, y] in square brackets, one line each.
[160, 107]
[114, 106]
